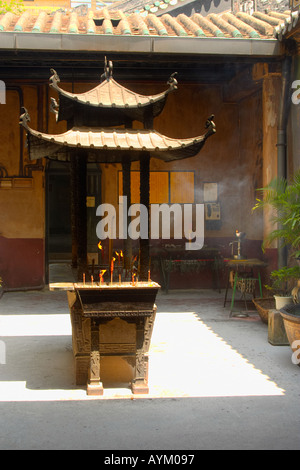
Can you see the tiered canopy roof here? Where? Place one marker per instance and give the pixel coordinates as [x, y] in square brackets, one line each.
[112, 145]
[109, 103]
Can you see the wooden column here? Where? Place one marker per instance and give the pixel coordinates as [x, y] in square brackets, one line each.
[145, 200]
[127, 192]
[74, 209]
[271, 101]
[78, 212]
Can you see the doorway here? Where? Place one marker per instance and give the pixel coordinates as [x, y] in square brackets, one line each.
[58, 210]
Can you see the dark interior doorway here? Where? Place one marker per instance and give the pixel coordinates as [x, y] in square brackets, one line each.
[58, 210]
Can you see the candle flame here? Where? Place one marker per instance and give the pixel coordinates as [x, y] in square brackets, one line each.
[100, 246]
[101, 274]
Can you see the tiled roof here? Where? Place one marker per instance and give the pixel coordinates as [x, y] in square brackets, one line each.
[224, 25]
[118, 140]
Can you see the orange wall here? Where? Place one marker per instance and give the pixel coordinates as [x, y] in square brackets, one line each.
[232, 158]
[22, 210]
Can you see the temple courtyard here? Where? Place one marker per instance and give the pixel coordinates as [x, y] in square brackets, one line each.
[215, 382]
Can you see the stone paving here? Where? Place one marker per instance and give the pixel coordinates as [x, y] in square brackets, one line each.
[223, 366]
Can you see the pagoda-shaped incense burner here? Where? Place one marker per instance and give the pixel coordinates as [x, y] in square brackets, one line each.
[109, 319]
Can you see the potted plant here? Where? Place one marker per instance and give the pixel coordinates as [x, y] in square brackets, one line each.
[283, 198]
[284, 281]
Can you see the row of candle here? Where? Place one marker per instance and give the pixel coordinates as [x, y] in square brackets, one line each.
[119, 255]
[134, 278]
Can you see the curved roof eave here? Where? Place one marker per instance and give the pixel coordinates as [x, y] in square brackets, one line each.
[111, 145]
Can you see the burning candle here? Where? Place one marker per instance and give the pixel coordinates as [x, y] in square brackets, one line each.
[92, 279]
[83, 279]
[112, 269]
[101, 275]
[149, 277]
[101, 250]
[119, 255]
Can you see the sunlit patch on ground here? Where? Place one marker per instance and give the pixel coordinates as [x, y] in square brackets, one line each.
[186, 359]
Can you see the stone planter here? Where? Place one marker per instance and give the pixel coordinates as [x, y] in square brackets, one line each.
[291, 319]
[263, 306]
[282, 301]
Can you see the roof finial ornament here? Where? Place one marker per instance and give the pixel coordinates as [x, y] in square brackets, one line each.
[172, 82]
[54, 107]
[24, 118]
[210, 126]
[108, 70]
[54, 79]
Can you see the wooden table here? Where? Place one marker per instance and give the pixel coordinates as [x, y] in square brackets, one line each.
[181, 259]
[243, 270]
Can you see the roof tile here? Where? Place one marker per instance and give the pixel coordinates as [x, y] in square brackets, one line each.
[206, 24]
[110, 22]
[261, 26]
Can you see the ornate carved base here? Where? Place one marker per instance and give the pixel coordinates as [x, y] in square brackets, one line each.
[140, 388]
[81, 369]
[94, 389]
[122, 334]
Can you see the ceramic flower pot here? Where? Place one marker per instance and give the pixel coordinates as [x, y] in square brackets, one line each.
[291, 320]
[281, 301]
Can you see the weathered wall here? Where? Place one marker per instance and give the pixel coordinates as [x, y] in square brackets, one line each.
[232, 158]
[22, 212]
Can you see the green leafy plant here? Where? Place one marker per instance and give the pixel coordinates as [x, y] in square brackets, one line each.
[13, 6]
[283, 280]
[284, 198]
